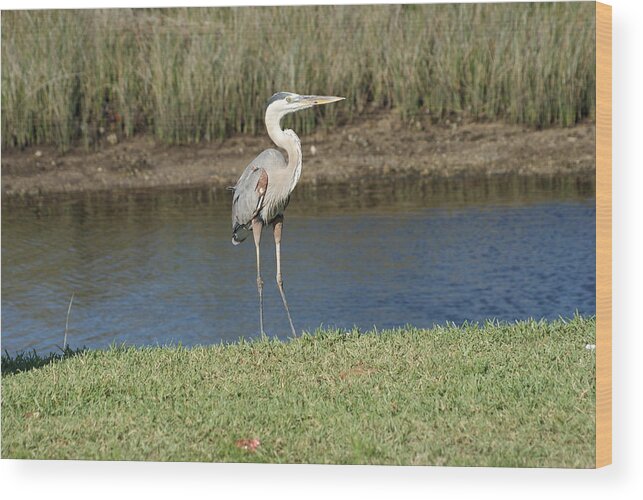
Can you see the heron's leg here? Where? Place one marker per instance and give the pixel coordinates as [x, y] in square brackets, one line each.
[257, 226]
[278, 223]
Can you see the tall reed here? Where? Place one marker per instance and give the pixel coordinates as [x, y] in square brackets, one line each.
[187, 75]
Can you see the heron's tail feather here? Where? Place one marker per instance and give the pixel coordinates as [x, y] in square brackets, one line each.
[239, 233]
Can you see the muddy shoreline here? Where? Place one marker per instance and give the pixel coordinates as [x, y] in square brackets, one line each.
[374, 147]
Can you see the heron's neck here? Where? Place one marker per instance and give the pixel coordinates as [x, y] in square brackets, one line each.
[288, 140]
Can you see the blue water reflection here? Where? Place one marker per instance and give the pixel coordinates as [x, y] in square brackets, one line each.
[154, 268]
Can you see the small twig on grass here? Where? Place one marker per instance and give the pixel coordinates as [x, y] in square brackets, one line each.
[71, 300]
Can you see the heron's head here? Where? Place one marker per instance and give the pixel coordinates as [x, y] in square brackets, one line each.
[283, 103]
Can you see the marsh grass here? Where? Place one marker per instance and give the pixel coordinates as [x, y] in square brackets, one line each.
[187, 75]
[496, 394]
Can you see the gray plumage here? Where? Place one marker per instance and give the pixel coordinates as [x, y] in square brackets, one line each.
[262, 193]
[277, 97]
[249, 201]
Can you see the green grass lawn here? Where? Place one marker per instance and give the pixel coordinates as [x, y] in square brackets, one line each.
[519, 394]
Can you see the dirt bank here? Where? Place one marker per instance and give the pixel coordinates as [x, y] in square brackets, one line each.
[376, 146]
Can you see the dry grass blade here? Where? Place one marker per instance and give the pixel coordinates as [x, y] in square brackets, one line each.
[187, 75]
[71, 300]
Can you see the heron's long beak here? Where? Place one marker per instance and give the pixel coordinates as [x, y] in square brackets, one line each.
[316, 100]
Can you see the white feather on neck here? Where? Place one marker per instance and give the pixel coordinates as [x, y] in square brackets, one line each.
[285, 139]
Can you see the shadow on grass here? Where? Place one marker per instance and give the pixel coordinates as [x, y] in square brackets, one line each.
[25, 361]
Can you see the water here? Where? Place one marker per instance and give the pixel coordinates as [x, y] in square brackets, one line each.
[158, 267]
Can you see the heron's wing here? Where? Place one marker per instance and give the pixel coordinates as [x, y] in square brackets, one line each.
[247, 200]
[250, 190]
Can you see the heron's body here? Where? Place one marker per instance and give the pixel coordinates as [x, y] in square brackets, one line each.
[263, 191]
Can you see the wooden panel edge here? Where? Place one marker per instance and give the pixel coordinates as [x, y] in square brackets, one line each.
[603, 234]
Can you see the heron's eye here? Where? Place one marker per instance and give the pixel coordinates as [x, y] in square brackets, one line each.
[288, 99]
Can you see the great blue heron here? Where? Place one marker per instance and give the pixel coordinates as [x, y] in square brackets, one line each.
[263, 190]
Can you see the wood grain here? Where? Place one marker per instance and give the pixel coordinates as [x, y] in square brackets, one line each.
[603, 234]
